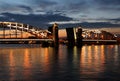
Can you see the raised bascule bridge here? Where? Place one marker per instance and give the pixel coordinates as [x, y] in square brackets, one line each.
[13, 32]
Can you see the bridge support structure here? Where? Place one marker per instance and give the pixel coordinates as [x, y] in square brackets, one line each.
[70, 37]
[55, 35]
[74, 37]
[54, 32]
[79, 37]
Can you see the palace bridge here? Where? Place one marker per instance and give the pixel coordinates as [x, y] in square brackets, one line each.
[14, 32]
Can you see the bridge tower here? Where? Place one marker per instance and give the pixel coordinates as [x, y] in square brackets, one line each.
[54, 32]
[79, 37]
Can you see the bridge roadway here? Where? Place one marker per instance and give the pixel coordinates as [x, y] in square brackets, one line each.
[41, 40]
[51, 40]
[88, 40]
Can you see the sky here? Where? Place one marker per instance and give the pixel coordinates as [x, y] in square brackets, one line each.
[67, 13]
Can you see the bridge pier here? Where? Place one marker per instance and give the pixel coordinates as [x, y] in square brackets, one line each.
[79, 37]
[54, 32]
[55, 35]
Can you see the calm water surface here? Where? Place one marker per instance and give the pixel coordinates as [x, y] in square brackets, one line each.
[22, 62]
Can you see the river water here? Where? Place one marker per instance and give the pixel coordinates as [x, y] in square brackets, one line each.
[24, 62]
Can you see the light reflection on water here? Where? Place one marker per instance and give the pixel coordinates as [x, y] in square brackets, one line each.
[35, 63]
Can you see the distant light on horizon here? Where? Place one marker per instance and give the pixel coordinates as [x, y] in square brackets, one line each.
[84, 20]
[65, 22]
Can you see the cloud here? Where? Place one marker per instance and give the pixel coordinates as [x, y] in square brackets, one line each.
[109, 5]
[115, 21]
[27, 8]
[74, 7]
[45, 20]
[17, 9]
[34, 19]
[91, 25]
[89, 13]
[108, 2]
[43, 4]
[80, 6]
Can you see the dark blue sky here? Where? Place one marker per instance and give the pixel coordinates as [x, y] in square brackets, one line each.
[67, 13]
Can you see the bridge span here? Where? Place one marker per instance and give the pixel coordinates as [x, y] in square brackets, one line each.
[13, 32]
[20, 30]
[84, 40]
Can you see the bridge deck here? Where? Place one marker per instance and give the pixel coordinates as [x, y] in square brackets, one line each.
[3, 40]
[84, 40]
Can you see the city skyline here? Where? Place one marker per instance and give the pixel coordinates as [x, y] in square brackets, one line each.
[43, 13]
